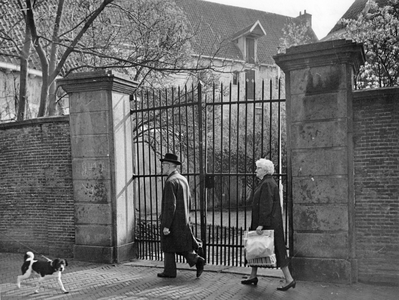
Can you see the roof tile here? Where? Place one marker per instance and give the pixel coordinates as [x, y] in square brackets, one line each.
[216, 23]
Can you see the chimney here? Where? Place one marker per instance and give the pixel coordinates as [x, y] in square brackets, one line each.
[305, 18]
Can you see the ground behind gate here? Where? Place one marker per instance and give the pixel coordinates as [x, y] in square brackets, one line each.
[138, 280]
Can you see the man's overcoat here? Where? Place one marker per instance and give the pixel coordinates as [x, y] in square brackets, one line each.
[175, 214]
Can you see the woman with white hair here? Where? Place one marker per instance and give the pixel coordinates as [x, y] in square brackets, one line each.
[266, 214]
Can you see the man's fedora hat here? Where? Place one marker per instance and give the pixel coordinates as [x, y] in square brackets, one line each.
[170, 157]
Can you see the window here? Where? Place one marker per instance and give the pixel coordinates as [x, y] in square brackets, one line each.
[250, 82]
[236, 76]
[250, 50]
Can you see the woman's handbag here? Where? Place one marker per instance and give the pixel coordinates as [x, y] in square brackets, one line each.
[259, 248]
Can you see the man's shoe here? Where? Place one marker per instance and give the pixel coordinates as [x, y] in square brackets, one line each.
[163, 275]
[200, 266]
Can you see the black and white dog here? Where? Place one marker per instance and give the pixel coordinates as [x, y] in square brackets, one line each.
[42, 268]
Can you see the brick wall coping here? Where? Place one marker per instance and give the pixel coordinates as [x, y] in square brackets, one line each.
[36, 121]
[373, 93]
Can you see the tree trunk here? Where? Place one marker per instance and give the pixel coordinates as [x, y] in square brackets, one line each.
[43, 59]
[43, 95]
[52, 100]
[23, 76]
[51, 108]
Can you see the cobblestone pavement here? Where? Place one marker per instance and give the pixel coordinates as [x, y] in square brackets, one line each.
[138, 280]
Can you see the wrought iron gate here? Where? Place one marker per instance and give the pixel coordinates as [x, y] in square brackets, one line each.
[218, 135]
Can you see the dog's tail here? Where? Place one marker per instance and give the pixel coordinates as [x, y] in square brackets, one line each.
[29, 256]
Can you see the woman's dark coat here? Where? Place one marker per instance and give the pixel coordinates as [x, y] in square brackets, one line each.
[266, 212]
[175, 215]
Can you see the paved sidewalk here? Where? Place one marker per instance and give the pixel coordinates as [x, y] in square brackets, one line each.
[138, 280]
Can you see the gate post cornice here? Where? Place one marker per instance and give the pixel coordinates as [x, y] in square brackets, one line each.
[319, 81]
[97, 81]
[102, 164]
[321, 54]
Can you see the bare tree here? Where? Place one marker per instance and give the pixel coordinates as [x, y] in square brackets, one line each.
[145, 39]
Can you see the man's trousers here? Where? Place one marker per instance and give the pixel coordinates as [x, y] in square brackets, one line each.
[170, 262]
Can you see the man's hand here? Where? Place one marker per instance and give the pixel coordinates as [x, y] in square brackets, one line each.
[166, 231]
[259, 230]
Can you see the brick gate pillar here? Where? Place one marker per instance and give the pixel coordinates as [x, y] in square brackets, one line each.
[101, 140]
[319, 83]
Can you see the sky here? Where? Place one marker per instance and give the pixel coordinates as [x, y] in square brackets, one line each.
[325, 13]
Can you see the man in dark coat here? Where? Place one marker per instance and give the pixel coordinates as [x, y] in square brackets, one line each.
[176, 235]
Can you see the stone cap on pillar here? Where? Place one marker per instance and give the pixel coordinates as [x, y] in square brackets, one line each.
[98, 80]
[321, 54]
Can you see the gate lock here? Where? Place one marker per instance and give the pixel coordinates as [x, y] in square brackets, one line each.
[209, 181]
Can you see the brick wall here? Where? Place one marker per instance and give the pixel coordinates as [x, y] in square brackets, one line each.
[376, 159]
[36, 193]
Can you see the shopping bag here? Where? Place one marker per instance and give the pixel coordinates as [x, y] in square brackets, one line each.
[259, 245]
[267, 262]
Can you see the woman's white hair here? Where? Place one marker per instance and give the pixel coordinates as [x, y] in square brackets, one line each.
[266, 165]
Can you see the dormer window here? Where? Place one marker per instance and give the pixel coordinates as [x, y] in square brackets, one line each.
[250, 53]
[247, 41]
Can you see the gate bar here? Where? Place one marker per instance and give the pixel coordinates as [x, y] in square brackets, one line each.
[201, 170]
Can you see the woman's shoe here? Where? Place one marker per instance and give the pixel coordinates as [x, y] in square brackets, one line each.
[253, 281]
[292, 284]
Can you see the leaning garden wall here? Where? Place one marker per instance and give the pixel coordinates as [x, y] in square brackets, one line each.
[376, 186]
[36, 194]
